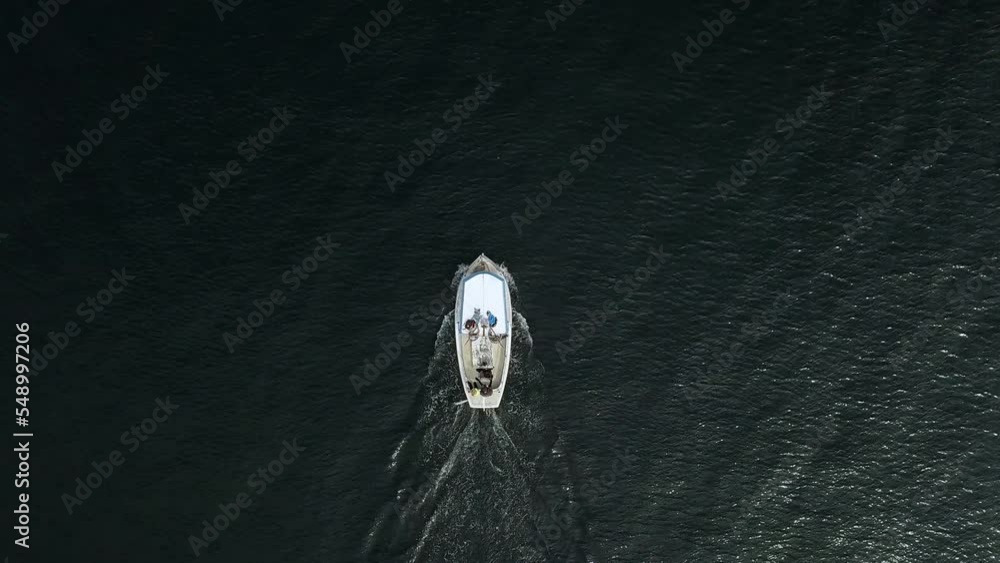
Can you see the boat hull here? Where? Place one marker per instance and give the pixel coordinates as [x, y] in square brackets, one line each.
[483, 351]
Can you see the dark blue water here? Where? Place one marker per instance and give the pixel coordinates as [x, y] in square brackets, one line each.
[755, 297]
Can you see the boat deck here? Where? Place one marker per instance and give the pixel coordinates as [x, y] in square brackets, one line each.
[498, 349]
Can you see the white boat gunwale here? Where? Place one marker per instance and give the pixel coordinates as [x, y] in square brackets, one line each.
[483, 266]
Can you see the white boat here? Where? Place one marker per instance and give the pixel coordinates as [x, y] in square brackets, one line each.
[483, 333]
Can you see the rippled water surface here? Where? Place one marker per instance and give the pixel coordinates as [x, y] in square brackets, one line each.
[792, 362]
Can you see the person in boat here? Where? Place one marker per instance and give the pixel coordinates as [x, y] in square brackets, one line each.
[485, 378]
[476, 315]
[472, 328]
[492, 320]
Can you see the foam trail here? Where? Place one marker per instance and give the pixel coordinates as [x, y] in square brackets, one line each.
[503, 432]
[480, 472]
